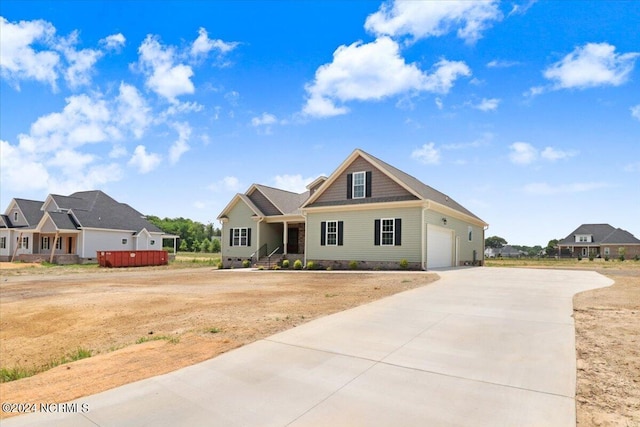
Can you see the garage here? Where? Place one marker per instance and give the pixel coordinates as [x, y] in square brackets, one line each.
[439, 247]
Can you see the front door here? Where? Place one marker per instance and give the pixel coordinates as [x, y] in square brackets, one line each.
[70, 245]
[292, 240]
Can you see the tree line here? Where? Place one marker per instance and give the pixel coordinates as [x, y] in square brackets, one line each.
[194, 236]
[533, 251]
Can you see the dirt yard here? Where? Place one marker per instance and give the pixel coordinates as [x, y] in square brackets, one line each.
[608, 352]
[143, 322]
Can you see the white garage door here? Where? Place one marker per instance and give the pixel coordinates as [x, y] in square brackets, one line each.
[439, 247]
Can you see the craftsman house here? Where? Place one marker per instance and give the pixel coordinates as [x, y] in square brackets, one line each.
[599, 241]
[366, 212]
[71, 229]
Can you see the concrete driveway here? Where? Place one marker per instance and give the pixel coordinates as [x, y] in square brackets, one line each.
[480, 347]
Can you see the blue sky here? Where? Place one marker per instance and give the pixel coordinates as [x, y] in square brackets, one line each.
[527, 113]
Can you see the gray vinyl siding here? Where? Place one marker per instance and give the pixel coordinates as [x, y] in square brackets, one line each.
[359, 236]
[460, 228]
[239, 216]
[382, 186]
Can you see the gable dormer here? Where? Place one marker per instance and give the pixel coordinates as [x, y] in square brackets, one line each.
[584, 238]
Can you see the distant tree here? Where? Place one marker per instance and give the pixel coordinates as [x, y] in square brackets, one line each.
[494, 242]
[552, 247]
[215, 246]
[183, 246]
[205, 245]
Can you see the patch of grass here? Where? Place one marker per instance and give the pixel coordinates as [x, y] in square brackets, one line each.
[330, 295]
[214, 330]
[19, 372]
[172, 340]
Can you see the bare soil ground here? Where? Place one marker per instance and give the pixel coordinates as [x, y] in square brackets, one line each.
[179, 317]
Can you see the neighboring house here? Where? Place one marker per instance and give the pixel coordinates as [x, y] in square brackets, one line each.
[599, 241]
[507, 251]
[366, 211]
[71, 229]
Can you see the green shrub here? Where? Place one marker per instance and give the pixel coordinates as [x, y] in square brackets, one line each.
[621, 257]
[404, 264]
[606, 257]
[590, 257]
[285, 263]
[297, 265]
[353, 265]
[220, 265]
[311, 265]
[246, 263]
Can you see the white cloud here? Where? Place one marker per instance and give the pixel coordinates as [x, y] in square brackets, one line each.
[420, 19]
[295, 183]
[228, 183]
[145, 162]
[180, 146]
[164, 76]
[18, 164]
[203, 45]
[439, 103]
[545, 189]
[427, 154]
[632, 167]
[81, 62]
[635, 111]
[114, 42]
[19, 60]
[522, 153]
[132, 111]
[592, 65]
[373, 71]
[487, 104]
[265, 119]
[502, 64]
[551, 154]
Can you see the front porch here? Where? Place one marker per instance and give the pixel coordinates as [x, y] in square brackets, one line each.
[280, 240]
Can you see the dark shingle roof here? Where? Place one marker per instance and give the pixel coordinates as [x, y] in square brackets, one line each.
[101, 211]
[31, 211]
[286, 202]
[602, 234]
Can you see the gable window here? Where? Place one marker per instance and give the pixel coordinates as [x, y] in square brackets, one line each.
[359, 180]
[387, 232]
[331, 233]
[470, 233]
[153, 242]
[359, 185]
[45, 243]
[3, 243]
[124, 241]
[15, 216]
[240, 236]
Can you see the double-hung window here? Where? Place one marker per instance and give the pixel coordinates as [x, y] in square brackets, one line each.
[45, 244]
[59, 243]
[24, 244]
[359, 185]
[3, 243]
[240, 236]
[387, 232]
[332, 233]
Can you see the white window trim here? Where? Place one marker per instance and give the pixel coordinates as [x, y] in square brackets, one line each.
[3, 242]
[364, 185]
[240, 237]
[607, 251]
[393, 232]
[24, 244]
[332, 233]
[45, 243]
[15, 216]
[59, 243]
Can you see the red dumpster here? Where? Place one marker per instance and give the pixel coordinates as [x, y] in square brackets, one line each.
[132, 258]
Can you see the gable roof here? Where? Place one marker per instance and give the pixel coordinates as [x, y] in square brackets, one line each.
[30, 210]
[602, 234]
[280, 202]
[408, 182]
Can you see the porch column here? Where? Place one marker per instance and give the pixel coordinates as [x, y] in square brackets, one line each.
[53, 249]
[286, 237]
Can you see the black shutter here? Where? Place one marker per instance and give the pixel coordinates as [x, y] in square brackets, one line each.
[231, 237]
[248, 237]
[376, 232]
[368, 184]
[323, 233]
[340, 233]
[350, 186]
[398, 231]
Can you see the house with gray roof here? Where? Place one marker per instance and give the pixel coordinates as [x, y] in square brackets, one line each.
[72, 229]
[599, 241]
[366, 211]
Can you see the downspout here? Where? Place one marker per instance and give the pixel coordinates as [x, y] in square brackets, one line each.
[424, 240]
[306, 237]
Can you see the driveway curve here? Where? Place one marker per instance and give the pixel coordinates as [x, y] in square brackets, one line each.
[481, 346]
